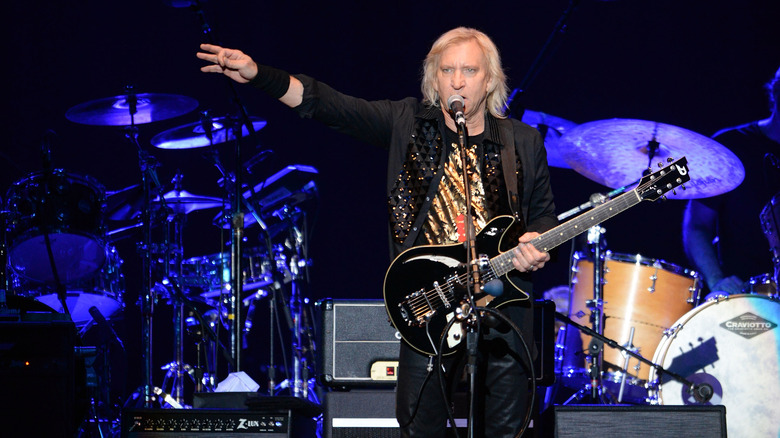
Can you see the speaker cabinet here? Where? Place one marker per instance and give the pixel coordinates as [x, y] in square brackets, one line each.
[40, 395]
[369, 413]
[609, 421]
[358, 346]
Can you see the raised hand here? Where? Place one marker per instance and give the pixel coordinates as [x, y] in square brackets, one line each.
[233, 63]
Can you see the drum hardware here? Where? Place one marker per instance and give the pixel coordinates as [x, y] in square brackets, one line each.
[128, 111]
[242, 130]
[628, 346]
[176, 204]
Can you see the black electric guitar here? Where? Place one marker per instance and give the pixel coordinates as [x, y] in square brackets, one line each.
[425, 284]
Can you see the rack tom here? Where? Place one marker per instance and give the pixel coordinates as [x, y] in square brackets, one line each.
[642, 293]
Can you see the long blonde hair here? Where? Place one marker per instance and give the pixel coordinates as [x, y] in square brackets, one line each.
[498, 92]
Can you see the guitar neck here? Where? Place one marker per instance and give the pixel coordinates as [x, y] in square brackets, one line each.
[502, 263]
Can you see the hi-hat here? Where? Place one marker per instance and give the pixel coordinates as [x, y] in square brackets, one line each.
[116, 110]
[616, 152]
[194, 135]
[552, 128]
[182, 201]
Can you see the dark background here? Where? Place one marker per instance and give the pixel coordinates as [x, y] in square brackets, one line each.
[699, 65]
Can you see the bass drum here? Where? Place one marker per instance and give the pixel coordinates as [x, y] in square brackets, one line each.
[733, 345]
[56, 216]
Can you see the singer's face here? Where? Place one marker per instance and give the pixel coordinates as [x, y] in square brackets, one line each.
[463, 71]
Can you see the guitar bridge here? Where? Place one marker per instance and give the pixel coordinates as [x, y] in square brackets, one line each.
[415, 309]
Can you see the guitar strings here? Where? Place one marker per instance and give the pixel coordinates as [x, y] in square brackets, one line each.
[422, 303]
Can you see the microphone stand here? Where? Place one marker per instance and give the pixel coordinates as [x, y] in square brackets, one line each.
[702, 392]
[513, 107]
[470, 317]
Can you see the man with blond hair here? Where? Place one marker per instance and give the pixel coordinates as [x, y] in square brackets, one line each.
[508, 175]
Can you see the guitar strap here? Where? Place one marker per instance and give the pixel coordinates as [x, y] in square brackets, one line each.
[422, 214]
[502, 129]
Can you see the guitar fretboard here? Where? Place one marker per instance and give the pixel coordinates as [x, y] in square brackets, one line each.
[502, 263]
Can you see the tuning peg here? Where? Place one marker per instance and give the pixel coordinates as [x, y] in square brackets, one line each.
[660, 164]
[669, 159]
[682, 186]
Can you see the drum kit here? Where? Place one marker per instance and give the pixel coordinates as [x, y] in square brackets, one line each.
[653, 339]
[61, 229]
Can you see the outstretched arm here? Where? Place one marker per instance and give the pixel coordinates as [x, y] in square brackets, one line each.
[240, 67]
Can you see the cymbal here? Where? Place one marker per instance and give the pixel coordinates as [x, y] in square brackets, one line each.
[615, 152]
[182, 201]
[115, 111]
[552, 128]
[194, 136]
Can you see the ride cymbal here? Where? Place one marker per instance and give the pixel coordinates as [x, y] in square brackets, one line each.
[616, 152]
[552, 129]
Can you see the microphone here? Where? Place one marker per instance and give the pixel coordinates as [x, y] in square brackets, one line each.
[455, 104]
[494, 287]
[105, 326]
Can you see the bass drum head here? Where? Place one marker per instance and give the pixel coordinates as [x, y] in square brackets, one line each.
[733, 345]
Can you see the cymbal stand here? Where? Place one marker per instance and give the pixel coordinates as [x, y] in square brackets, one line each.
[175, 220]
[150, 183]
[597, 242]
[237, 228]
[298, 267]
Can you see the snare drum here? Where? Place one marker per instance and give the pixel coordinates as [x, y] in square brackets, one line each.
[103, 290]
[763, 284]
[65, 210]
[732, 344]
[645, 294]
[770, 219]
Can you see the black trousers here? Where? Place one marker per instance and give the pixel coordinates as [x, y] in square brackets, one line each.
[503, 386]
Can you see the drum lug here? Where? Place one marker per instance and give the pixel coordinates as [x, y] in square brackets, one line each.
[671, 331]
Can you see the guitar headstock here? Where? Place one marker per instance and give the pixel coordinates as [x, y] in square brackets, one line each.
[657, 184]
